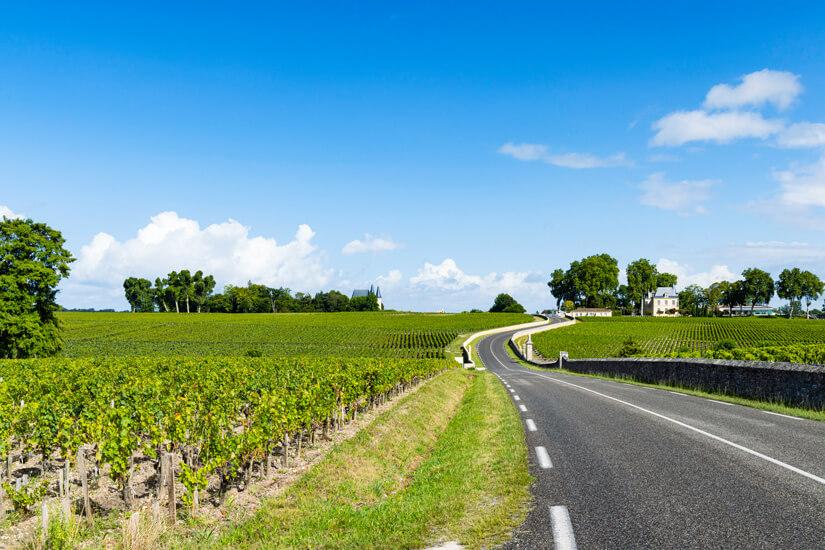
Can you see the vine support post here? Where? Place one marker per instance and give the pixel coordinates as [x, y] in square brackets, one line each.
[84, 482]
[173, 513]
[286, 450]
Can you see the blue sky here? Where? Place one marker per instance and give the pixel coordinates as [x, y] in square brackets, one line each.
[479, 145]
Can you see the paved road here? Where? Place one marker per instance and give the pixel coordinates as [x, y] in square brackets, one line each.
[622, 466]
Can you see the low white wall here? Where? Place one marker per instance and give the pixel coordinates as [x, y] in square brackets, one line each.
[544, 322]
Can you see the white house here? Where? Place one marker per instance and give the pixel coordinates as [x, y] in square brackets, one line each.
[591, 312]
[662, 303]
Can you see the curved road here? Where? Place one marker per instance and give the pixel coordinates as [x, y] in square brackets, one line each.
[622, 466]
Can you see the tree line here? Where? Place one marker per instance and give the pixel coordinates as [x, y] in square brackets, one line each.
[185, 292]
[594, 282]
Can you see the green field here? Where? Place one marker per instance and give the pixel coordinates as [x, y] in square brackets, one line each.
[415, 335]
[660, 336]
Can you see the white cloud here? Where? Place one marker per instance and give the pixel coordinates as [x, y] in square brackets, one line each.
[779, 88]
[778, 252]
[524, 151]
[530, 152]
[802, 134]
[6, 212]
[686, 276]
[686, 197]
[682, 127]
[370, 244]
[586, 160]
[804, 186]
[390, 280]
[446, 286]
[169, 242]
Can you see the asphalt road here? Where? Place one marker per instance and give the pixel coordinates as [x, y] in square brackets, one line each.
[622, 466]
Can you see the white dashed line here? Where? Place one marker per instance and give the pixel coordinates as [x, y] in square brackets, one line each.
[720, 402]
[516, 398]
[783, 415]
[531, 426]
[512, 391]
[675, 393]
[563, 538]
[523, 408]
[543, 458]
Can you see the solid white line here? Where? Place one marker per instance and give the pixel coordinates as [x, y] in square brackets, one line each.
[675, 393]
[563, 538]
[721, 402]
[783, 415]
[523, 408]
[543, 458]
[516, 398]
[531, 426]
[697, 430]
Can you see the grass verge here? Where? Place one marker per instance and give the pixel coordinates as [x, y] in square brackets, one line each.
[772, 406]
[447, 463]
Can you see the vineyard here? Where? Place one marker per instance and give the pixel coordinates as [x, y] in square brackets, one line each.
[218, 420]
[280, 335]
[676, 336]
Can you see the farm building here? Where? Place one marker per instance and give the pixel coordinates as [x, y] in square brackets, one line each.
[759, 310]
[372, 291]
[591, 312]
[663, 303]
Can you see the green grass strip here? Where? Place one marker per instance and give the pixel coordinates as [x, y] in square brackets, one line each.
[447, 463]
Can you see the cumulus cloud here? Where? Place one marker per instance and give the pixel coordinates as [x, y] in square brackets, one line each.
[390, 280]
[170, 242]
[530, 152]
[802, 134]
[686, 197]
[759, 88]
[370, 244]
[5, 212]
[446, 286]
[685, 126]
[686, 276]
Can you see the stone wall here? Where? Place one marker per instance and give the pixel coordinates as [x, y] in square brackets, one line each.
[791, 383]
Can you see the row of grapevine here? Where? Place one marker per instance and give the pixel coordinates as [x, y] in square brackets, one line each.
[683, 336]
[219, 416]
[320, 334]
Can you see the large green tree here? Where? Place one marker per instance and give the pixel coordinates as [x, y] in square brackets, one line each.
[642, 278]
[504, 303]
[758, 286]
[666, 279]
[789, 285]
[32, 263]
[811, 289]
[139, 294]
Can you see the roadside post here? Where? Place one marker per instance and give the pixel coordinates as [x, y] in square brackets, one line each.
[562, 358]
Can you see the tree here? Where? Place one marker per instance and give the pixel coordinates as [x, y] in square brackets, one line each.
[562, 287]
[32, 263]
[163, 294]
[733, 294]
[692, 299]
[641, 279]
[596, 278]
[139, 294]
[202, 288]
[713, 297]
[569, 306]
[504, 303]
[757, 286]
[811, 288]
[666, 279]
[789, 286]
[364, 303]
